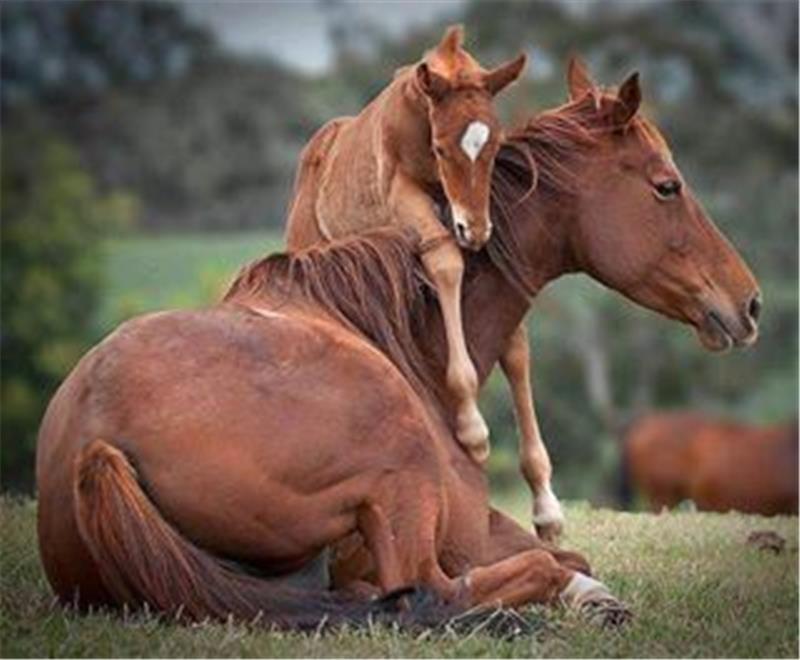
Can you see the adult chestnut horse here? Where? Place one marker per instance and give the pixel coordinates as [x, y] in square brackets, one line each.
[309, 408]
[719, 464]
[433, 127]
[663, 181]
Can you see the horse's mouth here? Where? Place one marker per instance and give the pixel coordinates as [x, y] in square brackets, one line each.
[713, 333]
[716, 333]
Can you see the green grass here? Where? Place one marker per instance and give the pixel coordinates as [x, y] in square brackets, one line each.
[696, 588]
[151, 272]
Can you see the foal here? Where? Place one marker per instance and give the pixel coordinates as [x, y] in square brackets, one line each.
[432, 129]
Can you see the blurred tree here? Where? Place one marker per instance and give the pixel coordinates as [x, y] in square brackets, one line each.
[52, 274]
[58, 52]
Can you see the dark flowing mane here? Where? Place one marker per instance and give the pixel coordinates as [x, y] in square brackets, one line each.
[373, 283]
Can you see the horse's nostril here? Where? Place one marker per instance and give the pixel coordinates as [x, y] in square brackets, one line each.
[461, 232]
[754, 308]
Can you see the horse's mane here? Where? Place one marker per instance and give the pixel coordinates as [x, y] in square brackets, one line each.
[375, 283]
[540, 157]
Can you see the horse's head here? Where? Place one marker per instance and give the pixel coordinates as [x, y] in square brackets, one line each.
[640, 229]
[465, 132]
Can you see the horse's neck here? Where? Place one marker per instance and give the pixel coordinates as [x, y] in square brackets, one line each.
[492, 307]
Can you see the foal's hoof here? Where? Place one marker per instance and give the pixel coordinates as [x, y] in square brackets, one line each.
[473, 434]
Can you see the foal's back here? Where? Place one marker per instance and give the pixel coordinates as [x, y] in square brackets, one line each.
[338, 188]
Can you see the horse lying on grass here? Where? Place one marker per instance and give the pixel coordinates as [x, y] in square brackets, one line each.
[310, 408]
[718, 464]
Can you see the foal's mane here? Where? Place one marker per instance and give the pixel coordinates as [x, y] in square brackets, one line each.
[375, 283]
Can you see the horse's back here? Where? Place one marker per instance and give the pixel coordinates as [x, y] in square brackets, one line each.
[247, 430]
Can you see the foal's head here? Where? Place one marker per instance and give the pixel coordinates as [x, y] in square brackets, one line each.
[641, 230]
[465, 132]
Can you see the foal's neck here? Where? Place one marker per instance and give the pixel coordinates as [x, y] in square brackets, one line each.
[405, 121]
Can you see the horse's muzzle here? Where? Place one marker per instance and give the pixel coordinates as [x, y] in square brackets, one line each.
[721, 330]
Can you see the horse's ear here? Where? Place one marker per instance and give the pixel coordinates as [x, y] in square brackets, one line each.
[452, 40]
[628, 100]
[579, 81]
[431, 83]
[502, 76]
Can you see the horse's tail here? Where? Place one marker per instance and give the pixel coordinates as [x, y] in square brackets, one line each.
[142, 560]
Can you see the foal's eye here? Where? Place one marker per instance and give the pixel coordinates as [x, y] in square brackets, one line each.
[668, 189]
[439, 151]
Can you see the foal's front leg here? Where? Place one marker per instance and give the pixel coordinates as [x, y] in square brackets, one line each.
[444, 264]
[548, 519]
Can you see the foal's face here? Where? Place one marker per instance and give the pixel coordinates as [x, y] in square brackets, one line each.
[465, 132]
[643, 232]
[465, 137]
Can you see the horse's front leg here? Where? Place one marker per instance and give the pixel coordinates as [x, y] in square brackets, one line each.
[548, 518]
[518, 569]
[444, 265]
[531, 576]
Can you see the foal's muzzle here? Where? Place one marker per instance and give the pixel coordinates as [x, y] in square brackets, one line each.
[467, 235]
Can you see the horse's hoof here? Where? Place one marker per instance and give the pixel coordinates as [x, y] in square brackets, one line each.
[608, 613]
[550, 532]
[593, 599]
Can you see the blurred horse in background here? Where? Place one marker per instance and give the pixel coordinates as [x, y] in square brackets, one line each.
[720, 465]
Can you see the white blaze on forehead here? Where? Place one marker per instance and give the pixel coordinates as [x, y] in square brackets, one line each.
[474, 138]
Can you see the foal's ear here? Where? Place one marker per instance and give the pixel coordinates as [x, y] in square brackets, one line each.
[502, 76]
[628, 100]
[451, 41]
[579, 81]
[431, 83]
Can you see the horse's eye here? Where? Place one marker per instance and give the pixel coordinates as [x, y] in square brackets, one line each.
[439, 151]
[668, 189]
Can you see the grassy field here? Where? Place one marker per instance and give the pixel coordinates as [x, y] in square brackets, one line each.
[165, 271]
[696, 588]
